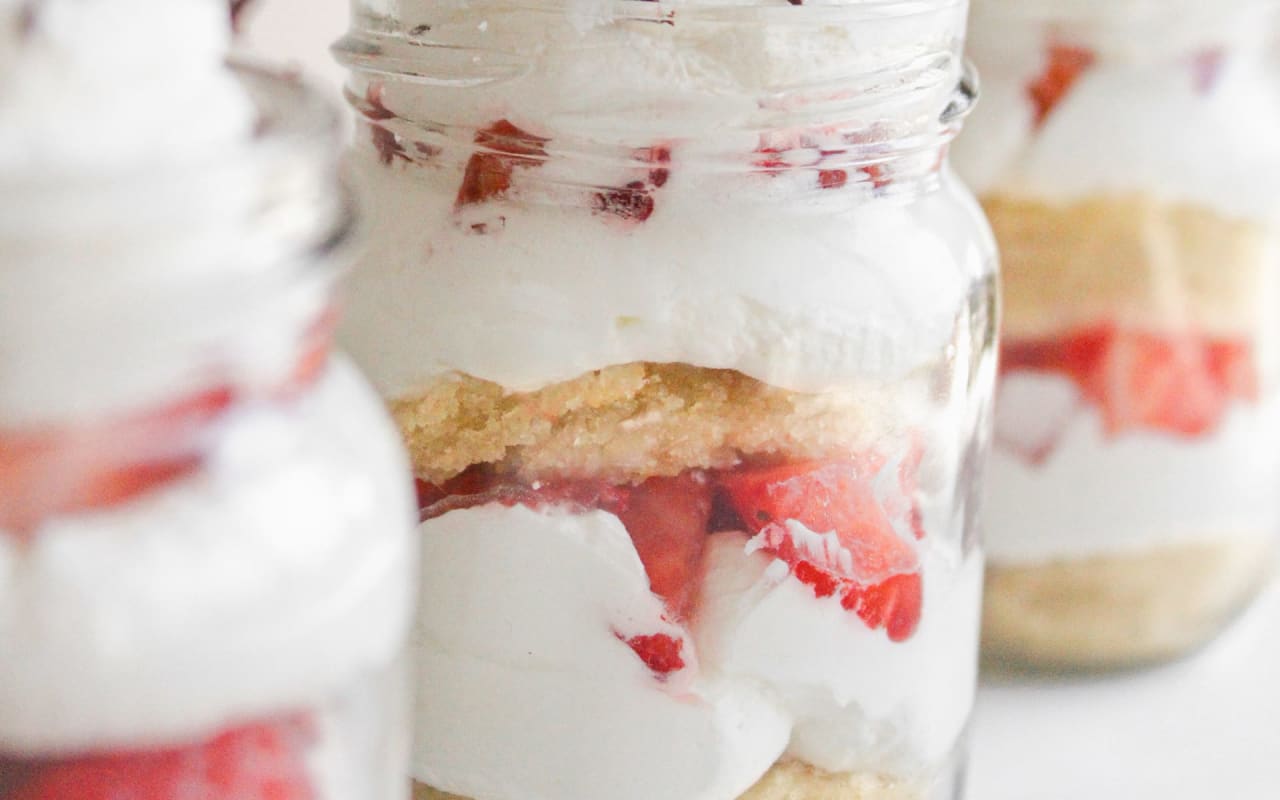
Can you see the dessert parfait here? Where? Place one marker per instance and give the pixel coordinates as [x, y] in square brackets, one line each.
[205, 531]
[687, 327]
[1127, 158]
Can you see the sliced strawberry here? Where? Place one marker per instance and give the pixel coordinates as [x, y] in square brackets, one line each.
[502, 147]
[825, 497]
[894, 604]
[635, 202]
[850, 547]
[1179, 383]
[660, 652]
[667, 519]
[1063, 67]
[259, 762]
[879, 175]
[832, 178]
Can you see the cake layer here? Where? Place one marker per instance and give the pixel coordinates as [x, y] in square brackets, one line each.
[1132, 260]
[1124, 609]
[629, 422]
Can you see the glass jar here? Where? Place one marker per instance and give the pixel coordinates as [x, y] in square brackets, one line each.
[1128, 157]
[688, 329]
[206, 557]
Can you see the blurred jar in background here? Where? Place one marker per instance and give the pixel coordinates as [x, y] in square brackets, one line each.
[1128, 156]
[205, 550]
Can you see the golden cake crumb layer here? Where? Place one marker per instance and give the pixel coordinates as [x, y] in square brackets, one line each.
[624, 423]
[786, 780]
[1121, 610]
[1130, 260]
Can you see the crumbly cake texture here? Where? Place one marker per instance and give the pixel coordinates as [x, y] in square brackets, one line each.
[1128, 259]
[625, 423]
[786, 780]
[1116, 611]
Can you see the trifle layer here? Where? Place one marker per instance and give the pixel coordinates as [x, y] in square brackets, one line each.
[663, 563]
[786, 780]
[1124, 608]
[1130, 510]
[151, 620]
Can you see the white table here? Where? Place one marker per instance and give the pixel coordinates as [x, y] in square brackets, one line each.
[1203, 729]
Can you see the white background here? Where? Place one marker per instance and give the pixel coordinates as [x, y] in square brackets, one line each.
[1204, 729]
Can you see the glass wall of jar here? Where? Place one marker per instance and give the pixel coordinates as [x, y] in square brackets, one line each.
[1128, 156]
[206, 551]
[688, 329]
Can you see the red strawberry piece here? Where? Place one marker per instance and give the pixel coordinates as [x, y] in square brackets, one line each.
[501, 147]
[633, 202]
[769, 160]
[259, 762]
[825, 497]
[667, 520]
[1231, 363]
[1180, 383]
[660, 156]
[1063, 67]
[832, 178]
[879, 175]
[894, 604]
[387, 144]
[852, 551]
[665, 517]
[1156, 382]
[73, 470]
[660, 652]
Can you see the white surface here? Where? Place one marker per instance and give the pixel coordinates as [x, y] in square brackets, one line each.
[1208, 727]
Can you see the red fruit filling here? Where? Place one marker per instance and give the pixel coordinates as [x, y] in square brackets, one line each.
[770, 158]
[665, 517]
[266, 761]
[1063, 67]
[1180, 384]
[659, 652]
[502, 147]
[850, 548]
[57, 470]
[635, 202]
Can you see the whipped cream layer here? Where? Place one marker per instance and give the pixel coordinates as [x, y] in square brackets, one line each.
[1096, 494]
[90, 86]
[204, 272]
[802, 293]
[698, 68]
[264, 583]
[521, 648]
[1182, 106]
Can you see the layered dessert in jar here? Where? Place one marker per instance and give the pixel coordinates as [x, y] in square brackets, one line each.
[688, 330]
[1126, 155]
[206, 557]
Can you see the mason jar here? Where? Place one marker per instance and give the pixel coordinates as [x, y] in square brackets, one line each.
[1128, 157]
[206, 552]
[688, 329]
